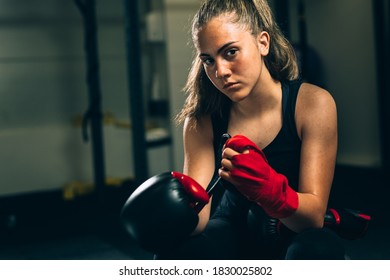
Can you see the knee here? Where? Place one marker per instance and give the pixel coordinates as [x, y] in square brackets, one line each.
[316, 244]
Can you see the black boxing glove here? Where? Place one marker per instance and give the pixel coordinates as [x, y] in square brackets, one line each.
[347, 223]
[163, 211]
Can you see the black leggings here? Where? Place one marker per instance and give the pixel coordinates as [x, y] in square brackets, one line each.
[227, 237]
[222, 241]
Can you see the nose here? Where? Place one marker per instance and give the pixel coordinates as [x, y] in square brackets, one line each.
[222, 70]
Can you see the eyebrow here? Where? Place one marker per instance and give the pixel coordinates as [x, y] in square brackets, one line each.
[220, 49]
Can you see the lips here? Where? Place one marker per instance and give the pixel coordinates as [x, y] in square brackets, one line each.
[229, 85]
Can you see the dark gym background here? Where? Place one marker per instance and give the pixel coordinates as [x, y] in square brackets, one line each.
[88, 90]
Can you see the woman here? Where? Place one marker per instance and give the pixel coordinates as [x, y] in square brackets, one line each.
[245, 81]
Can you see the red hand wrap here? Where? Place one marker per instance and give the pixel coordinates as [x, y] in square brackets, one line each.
[256, 179]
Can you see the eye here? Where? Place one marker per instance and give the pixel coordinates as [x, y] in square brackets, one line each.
[231, 52]
[207, 61]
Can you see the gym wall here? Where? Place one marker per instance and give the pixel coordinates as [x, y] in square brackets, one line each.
[43, 95]
[342, 34]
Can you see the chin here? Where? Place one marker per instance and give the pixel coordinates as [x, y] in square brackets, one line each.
[237, 96]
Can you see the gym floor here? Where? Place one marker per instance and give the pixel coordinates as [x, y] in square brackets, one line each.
[44, 227]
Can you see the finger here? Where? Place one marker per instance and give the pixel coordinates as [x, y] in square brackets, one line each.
[226, 164]
[225, 175]
[229, 153]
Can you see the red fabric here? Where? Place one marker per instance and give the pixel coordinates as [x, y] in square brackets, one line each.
[198, 194]
[258, 181]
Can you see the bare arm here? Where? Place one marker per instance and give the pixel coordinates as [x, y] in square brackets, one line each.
[199, 159]
[316, 119]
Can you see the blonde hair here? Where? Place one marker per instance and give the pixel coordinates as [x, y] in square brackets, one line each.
[255, 16]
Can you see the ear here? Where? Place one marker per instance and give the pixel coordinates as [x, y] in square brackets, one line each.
[263, 40]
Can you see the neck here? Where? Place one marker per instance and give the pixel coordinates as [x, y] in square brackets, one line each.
[264, 97]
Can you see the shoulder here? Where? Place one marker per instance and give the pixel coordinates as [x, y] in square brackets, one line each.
[310, 94]
[201, 125]
[315, 107]
[198, 131]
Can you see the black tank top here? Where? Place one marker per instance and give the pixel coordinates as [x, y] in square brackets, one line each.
[283, 153]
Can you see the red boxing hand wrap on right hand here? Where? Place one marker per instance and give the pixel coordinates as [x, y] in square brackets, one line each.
[258, 181]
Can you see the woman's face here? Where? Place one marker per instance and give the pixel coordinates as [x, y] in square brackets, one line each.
[232, 56]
